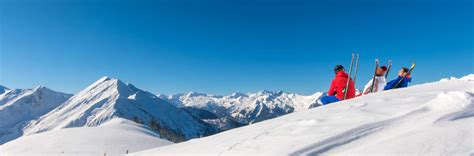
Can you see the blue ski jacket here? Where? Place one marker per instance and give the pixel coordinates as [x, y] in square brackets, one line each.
[403, 84]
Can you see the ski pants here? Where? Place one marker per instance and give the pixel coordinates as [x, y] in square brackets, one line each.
[328, 99]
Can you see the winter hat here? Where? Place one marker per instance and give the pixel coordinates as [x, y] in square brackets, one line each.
[338, 68]
[384, 68]
[405, 69]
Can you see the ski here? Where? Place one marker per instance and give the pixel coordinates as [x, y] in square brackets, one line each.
[408, 73]
[357, 67]
[375, 74]
[349, 78]
[389, 67]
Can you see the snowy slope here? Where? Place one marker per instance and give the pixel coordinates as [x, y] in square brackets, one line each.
[19, 107]
[429, 119]
[245, 108]
[113, 138]
[110, 98]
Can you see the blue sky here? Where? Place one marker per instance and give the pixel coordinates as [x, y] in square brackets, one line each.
[220, 47]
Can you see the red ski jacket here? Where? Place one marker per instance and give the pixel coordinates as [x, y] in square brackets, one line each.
[339, 84]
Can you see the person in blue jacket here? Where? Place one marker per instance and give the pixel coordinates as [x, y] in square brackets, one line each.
[402, 73]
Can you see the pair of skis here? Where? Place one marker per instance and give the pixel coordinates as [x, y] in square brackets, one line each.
[350, 73]
[375, 73]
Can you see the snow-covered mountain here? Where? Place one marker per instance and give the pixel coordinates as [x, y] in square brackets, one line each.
[20, 106]
[114, 137]
[221, 123]
[3, 89]
[244, 108]
[429, 119]
[111, 98]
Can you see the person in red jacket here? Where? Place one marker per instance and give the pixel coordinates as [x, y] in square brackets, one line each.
[338, 86]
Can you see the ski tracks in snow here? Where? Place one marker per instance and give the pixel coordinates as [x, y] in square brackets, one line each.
[460, 101]
[349, 136]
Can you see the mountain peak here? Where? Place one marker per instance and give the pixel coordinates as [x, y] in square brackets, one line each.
[110, 81]
[3, 89]
[41, 87]
[107, 87]
[193, 94]
[265, 92]
[101, 81]
[238, 94]
[104, 78]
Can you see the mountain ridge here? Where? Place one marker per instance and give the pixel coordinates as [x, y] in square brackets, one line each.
[108, 98]
[245, 108]
[18, 107]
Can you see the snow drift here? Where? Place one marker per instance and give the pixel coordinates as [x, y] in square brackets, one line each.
[114, 137]
[430, 119]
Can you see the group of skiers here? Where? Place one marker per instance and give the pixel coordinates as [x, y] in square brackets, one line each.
[343, 82]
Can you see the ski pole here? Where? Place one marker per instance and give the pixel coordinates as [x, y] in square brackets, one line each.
[349, 78]
[389, 67]
[408, 73]
[357, 67]
[375, 73]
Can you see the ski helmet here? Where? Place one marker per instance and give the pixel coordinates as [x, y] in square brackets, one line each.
[338, 68]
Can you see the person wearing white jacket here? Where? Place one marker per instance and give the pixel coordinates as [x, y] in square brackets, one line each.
[380, 81]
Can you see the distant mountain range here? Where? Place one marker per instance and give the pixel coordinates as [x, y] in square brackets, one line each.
[242, 108]
[175, 117]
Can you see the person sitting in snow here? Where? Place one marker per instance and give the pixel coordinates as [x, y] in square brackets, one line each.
[404, 83]
[380, 81]
[338, 86]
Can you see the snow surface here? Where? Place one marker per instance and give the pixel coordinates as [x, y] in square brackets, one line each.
[429, 119]
[109, 98]
[113, 138]
[20, 106]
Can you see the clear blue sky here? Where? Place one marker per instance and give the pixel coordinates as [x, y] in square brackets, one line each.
[220, 47]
